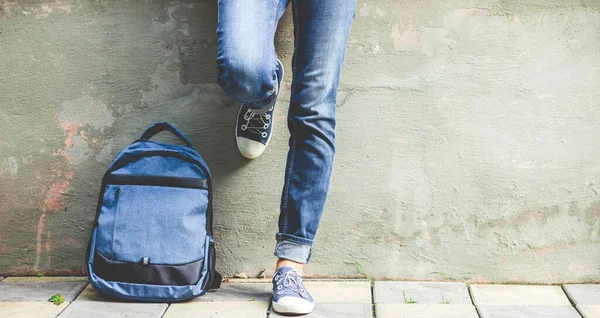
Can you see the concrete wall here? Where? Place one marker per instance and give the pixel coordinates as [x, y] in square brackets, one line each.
[468, 140]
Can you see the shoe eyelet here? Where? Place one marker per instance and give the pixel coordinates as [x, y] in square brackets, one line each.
[244, 127]
[266, 126]
[279, 287]
[264, 135]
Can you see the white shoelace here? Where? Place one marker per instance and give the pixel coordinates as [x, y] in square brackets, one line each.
[260, 123]
[256, 123]
[290, 278]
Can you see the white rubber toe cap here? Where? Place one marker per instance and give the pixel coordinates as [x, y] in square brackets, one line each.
[293, 305]
[249, 148]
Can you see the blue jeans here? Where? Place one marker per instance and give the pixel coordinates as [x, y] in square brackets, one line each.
[247, 63]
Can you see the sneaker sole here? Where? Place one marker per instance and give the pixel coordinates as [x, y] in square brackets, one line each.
[293, 310]
[272, 119]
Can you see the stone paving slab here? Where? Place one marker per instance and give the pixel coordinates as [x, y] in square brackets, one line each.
[107, 309]
[591, 311]
[91, 294]
[41, 291]
[225, 309]
[238, 292]
[45, 279]
[528, 312]
[423, 292]
[345, 292]
[337, 311]
[38, 309]
[249, 280]
[518, 295]
[91, 303]
[583, 294]
[339, 292]
[388, 310]
[339, 299]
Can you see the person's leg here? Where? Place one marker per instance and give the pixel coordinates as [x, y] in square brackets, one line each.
[321, 36]
[246, 59]
[248, 69]
[321, 31]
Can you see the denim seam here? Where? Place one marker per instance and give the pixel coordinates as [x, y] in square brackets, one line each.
[288, 177]
[274, 55]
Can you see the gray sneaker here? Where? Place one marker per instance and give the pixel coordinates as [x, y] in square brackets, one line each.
[289, 294]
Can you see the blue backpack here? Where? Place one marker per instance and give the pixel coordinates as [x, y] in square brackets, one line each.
[152, 236]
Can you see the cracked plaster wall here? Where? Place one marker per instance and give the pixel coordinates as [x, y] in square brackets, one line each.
[467, 135]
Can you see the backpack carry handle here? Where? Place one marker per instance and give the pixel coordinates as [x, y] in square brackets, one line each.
[162, 126]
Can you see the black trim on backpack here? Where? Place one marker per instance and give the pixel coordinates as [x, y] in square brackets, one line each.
[153, 274]
[149, 180]
[213, 282]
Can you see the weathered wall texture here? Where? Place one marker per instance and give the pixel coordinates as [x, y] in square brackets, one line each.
[468, 140]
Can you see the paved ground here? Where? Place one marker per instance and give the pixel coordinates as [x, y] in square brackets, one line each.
[27, 297]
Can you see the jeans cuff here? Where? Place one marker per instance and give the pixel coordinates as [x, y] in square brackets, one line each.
[261, 106]
[292, 251]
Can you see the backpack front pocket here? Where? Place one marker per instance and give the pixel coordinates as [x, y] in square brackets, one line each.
[137, 208]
